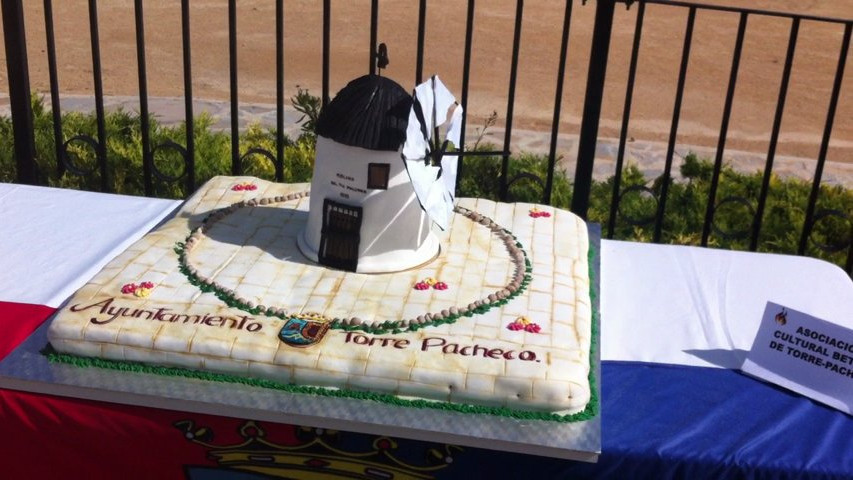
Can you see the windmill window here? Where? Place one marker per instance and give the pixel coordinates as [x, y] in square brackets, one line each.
[377, 175]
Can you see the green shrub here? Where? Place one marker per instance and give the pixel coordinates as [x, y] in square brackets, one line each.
[781, 228]
[783, 219]
[124, 152]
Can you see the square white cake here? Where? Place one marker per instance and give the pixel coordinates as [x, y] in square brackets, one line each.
[499, 322]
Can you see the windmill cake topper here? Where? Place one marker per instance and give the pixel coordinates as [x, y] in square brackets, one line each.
[382, 176]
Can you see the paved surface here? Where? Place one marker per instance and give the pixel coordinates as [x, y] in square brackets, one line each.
[650, 157]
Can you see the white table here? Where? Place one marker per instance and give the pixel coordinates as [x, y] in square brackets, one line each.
[54, 240]
[660, 305]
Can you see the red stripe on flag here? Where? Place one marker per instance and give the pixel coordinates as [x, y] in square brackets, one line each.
[18, 321]
[45, 436]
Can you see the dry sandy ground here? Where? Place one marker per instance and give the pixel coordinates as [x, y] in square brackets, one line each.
[754, 105]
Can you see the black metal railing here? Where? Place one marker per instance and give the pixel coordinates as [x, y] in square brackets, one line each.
[588, 134]
[756, 207]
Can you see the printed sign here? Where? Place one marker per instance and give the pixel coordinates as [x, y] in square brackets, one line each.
[805, 354]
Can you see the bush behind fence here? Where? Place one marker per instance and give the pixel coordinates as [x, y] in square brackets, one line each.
[784, 213]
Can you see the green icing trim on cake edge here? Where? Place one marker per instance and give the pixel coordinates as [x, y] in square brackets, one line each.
[592, 406]
[591, 410]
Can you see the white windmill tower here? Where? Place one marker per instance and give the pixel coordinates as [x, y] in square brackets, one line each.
[381, 177]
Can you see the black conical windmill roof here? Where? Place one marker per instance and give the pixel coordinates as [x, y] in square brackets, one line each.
[370, 112]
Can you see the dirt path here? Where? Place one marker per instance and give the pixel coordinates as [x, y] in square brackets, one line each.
[755, 99]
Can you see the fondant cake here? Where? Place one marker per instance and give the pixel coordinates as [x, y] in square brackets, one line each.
[344, 285]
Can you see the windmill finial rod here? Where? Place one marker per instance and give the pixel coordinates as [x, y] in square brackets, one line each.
[381, 57]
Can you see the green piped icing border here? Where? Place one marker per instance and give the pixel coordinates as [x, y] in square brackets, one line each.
[592, 406]
[591, 410]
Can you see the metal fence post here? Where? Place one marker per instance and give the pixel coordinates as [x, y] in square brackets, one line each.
[592, 105]
[19, 90]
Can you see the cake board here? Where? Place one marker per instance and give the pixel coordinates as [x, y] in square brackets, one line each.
[27, 369]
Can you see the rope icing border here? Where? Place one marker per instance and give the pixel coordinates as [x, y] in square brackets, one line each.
[520, 280]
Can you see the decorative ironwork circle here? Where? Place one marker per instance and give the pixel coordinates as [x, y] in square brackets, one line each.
[170, 145]
[257, 151]
[832, 247]
[737, 234]
[519, 177]
[66, 158]
[637, 222]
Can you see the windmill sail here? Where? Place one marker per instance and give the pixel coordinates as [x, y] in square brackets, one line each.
[433, 174]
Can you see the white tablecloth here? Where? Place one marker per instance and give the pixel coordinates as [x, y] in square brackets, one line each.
[659, 303]
[53, 240]
[702, 307]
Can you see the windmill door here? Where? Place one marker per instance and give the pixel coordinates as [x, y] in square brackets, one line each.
[340, 235]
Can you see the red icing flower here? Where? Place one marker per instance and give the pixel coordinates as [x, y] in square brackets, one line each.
[536, 213]
[524, 323]
[532, 328]
[142, 290]
[245, 186]
[428, 282]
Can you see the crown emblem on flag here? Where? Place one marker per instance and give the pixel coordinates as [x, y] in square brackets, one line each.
[317, 453]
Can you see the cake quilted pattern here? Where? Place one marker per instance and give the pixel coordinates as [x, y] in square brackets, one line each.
[252, 254]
